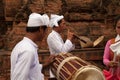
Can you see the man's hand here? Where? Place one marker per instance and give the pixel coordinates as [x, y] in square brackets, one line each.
[49, 61]
[70, 35]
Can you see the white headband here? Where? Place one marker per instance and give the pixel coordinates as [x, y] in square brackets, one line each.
[36, 20]
[54, 20]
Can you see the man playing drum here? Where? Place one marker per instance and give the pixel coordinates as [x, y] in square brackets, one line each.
[55, 41]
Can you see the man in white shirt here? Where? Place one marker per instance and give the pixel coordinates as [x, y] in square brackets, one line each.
[54, 39]
[24, 57]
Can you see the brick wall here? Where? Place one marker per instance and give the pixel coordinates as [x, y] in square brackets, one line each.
[88, 18]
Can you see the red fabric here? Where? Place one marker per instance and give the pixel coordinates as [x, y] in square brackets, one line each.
[113, 73]
[108, 75]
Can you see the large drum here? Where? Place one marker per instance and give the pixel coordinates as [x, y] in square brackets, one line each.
[69, 67]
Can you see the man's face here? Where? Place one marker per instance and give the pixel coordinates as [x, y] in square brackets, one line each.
[62, 25]
[42, 32]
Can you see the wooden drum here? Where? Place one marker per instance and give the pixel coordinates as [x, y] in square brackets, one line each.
[69, 67]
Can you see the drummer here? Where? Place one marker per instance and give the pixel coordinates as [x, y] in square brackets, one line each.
[24, 57]
[55, 42]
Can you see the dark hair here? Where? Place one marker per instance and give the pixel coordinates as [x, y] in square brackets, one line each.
[58, 23]
[32, 29]
[35, 29]
[116, 19]
[44, 27]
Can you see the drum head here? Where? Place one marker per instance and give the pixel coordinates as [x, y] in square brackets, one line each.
[89, 73]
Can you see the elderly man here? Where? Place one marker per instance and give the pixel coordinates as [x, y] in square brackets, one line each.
[24, 57]
[54, 39]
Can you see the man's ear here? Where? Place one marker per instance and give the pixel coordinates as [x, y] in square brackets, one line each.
[39, 29]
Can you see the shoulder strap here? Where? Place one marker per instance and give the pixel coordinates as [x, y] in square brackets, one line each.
[112, 41]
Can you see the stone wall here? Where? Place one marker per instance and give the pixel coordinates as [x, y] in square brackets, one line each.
[88, 18]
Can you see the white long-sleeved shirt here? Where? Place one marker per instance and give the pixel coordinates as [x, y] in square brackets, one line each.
[24, 61]
[57, 45]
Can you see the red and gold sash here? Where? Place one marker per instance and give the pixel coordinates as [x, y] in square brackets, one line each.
[112, 41]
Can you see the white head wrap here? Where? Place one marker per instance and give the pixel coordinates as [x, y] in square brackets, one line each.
[36, 20]
[45, 19]
[54, 20]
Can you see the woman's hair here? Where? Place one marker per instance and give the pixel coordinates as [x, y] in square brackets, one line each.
[35, 29]
[116, 19]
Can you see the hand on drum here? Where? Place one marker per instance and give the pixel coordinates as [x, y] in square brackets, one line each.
[49, 61]
[51, 58]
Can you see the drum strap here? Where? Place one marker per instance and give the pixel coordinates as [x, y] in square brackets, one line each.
[112, 41]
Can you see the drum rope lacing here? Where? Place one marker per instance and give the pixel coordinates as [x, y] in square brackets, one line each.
[63, 62]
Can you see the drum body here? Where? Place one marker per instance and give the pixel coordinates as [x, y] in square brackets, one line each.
[69, 67]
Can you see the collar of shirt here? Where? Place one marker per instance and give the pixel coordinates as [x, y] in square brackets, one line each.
[53, 31]
[117, 38]
[34, 44]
